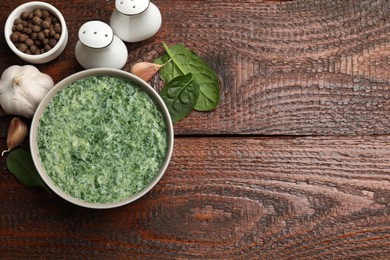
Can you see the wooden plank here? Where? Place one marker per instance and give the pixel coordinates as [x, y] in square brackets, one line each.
[232, 198]
[287, 68]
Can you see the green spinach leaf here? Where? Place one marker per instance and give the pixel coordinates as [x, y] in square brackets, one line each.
[180, 96]
[185, 61]
[20, 163]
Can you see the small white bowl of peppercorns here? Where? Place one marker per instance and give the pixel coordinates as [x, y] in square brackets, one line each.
[36, 32]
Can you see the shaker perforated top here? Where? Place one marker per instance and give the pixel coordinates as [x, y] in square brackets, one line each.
[131, 7]
[96, 34]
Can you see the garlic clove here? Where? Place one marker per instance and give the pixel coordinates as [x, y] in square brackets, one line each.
[145, 70]
[17, 132]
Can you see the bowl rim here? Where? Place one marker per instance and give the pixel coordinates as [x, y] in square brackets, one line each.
[82, 75]
[36, 58]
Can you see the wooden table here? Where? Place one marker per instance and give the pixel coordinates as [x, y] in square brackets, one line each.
[293, 164]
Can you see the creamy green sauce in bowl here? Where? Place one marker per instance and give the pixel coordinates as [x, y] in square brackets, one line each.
[102, 140]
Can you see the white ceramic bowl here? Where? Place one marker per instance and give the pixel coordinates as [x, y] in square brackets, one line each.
[38, 58]
[86, 74]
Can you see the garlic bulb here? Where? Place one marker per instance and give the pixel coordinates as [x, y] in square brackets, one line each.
[22, 88]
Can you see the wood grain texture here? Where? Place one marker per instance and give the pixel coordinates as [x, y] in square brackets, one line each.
[229, 198]
[288, 68]
[293, 164]
[299, 67]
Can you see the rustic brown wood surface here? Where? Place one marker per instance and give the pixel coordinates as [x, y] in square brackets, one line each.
[293, 164]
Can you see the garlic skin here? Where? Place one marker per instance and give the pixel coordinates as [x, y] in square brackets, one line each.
[145, 70]
[22, 88]
[17, 132]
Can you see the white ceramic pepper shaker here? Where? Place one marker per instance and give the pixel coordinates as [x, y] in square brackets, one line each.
[99, 47]
[135, 20]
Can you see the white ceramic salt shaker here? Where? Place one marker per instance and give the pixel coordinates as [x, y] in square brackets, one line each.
[135, 20]
[99, 47]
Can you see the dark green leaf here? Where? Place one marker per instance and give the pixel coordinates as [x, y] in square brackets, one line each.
[20, 164]
[184, 61]
[180, 95]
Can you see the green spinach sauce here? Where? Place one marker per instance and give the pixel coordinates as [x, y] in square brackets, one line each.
[102, 139]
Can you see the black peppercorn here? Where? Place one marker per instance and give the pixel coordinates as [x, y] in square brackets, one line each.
[24, 15]
[46, 24]
[36, 28]
[48, 19]
[22, 37]
[33, 49]
[57, 27]
[36, 20]
[27, 31]
[45, 14]
[22, 47]
[19, 27]
[52, 42]
[38, 12]
[41, 36]
[47, 47]
[36, 32]
[29, 42]
[17, 21]
[15, 36]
